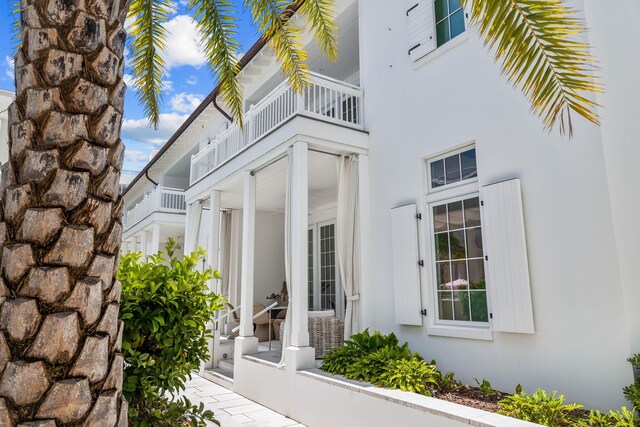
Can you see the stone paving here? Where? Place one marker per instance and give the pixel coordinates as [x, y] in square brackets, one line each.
[232, 409]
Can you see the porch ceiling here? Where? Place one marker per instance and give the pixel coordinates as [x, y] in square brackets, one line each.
[271, 184]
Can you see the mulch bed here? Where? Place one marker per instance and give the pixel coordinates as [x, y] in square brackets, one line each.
[473, 397]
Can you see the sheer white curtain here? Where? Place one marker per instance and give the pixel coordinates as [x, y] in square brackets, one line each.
[286, 336]
[191, 239]
[225, 252]
[347, 240]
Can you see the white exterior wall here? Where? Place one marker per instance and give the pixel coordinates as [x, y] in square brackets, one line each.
[6, 98]
[456, 95]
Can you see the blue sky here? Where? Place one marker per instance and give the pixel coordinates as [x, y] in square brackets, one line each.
[188, 80]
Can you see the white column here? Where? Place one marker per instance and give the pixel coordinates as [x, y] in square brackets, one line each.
[214, 238]
[366, 299]
[143, 244]
[299, 355]
[246, 343]
[155, 238]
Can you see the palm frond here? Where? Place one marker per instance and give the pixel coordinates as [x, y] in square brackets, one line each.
[321, 18]
[216, 25]
[147, 41]
[284, 38]
[539, 45]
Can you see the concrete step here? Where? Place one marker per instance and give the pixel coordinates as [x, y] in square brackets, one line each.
[226, 365]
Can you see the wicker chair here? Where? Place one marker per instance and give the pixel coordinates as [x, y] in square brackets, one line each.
[326, 332]
[261, 324]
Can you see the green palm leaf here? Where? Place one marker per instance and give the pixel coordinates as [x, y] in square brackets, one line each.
[538, 43]
[148, 40]
[321, 18]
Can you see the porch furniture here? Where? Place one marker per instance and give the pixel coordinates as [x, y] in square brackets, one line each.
[278, 321]
[261, 324]
[326, 332]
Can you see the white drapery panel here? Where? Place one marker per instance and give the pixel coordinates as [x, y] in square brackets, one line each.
[286, 338]
[225, 252]
[191, 239]
[348, 240]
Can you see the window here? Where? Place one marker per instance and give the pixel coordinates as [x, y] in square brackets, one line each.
[449, 20]
[310, 279]
[459, 261]
[323, 278]
[453, 168]
[456, 239]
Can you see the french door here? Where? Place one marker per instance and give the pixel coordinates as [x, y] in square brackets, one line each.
[325, 289]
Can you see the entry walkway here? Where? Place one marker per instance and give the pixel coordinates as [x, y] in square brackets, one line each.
[232, 409]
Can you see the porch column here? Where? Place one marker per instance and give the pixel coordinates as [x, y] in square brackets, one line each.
[143, 244]
[214, 238]
[246, 343]
[155, 238]
[299, 355]
[366, 317]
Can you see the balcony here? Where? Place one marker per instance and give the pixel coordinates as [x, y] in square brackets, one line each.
[325, 99]
[162, 199]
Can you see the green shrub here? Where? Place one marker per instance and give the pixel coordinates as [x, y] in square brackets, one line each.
[539, 408]
[358, 346]
[414, 375]
[621, 418]
[166, 305]
[371, 366]
[447, 382]
[485, 387]
[632, 392]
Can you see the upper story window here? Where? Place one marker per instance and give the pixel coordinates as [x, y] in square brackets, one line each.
[449, 20]
[432, 23]
[453, 168]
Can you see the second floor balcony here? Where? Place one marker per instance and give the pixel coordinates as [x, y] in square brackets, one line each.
[162, 199]
[326, 99]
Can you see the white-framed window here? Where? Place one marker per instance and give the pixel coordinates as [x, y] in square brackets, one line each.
[433, 23]
[455, 233]
[325, 288]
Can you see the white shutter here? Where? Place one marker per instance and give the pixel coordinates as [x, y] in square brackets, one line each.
[406, 270]
[421, 22]
[506, 251]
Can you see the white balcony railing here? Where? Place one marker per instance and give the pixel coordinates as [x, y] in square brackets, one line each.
[161, 199]
[326, 99]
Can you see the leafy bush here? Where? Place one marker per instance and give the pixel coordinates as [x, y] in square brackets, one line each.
[622, 418]
[371, 366]
[632, 392]
[447, 382]
[166, 305]
[539, 408]
[485, 387]
[358, 346]
[414, 375]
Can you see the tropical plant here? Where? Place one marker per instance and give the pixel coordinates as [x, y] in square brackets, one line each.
[166, 306]
[621, 418]
[485, 387]
[371, 366]
[539, 407]
[632, 391]
[410, 374]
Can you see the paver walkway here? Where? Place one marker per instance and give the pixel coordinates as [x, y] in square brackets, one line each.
[232, 409]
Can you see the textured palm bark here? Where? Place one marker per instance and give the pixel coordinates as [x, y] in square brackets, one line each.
[60, 337]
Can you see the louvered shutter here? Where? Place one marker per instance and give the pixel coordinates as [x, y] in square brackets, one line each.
[506, 251]
[421, 22]
[406, 270]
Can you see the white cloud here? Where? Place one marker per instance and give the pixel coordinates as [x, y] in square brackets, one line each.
[192, 80]
[9, 71]
[183, 45]
[185, 102]
[128, 80]
[136, 155]
[141, 130]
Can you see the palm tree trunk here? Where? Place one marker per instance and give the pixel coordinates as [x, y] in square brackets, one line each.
[60, 337]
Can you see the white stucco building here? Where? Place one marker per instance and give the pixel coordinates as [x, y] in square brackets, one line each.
[6, 98]
[499, 249]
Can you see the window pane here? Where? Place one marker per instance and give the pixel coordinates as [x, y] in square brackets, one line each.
[459, 274]
[442, 246]
[472, 212]
[442, 32]
[474, 242]
[444, 274]
[461, 306]
[454, 5]
[441, 10]
[455, 215]
[440, 218]
[476, 274]
[457, 23]
[456, 242]
[479, 310]
[437, 174]
[452, 165]
[468, 161]
[445, 309]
